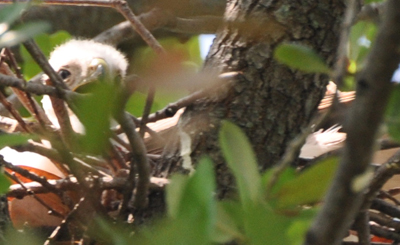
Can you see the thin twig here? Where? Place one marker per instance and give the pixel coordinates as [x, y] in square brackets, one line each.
[361, 225]
[70, 184]
[26, 99]
[293, 149]
[198, 25]
[4, 100]
[371, 12]
[373, 90]
[14, 113]
[139, 159]
[25, 173]
[147, 108]
[117, 157]
[382, 232]
[41, 60]
[59, 107]
[31, 87]
[382, 175]
[342, 50]
[156, 19]
[172, 108]
[124, 9]
[137, 121]
[52, 238]
[384, 220]
[152, 20]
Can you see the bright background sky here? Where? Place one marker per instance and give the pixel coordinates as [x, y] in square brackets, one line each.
[205, 43]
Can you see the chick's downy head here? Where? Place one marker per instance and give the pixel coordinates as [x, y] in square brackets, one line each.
[81, 61]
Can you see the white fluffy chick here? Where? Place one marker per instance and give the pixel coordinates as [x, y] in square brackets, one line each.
[78, 62]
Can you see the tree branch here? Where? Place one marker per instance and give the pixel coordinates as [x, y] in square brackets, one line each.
[70, 184]
[373, 88]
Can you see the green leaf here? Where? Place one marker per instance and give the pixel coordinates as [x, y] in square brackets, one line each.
[310, 186]
[95, 112]
[287, 175]
[14, 237]
[300, 225]
[4, 183]
[175, 190]
[9, 14]
[300, 57]
[229, 220]
[14, 139]
[196, 191]
[361, 38]
[136, 103]
[392, 116]
[184, 193]
[193, 217]
[198, 201]
[241, 159]
[23, 33]
[264, 226]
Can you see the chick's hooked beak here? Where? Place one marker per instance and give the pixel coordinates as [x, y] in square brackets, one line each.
[97, 70]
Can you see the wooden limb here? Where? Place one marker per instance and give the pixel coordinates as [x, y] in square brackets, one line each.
[140, 161]
[384, 220]
[25, 173]
[381, 232]
[25, 97]
[361, 225]
[31, 87]
[55, 80]
[373, 88]
[14, 113]
[146, 111]
[105, 183]
[172, 108]
[156, 19]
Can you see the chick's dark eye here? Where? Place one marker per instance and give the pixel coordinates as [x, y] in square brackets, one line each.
[64, 74]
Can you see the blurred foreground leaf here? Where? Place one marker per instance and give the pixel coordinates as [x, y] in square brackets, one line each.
[95, 112]
[241, 159]
[309, 187]
[193, 211]
[300, 57]
[9, 14]
[5, 183]
[22, 33]
[14, 139]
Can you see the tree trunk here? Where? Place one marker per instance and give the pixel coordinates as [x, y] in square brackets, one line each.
[269, 101]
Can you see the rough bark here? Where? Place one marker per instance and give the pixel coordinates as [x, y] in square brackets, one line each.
[269, 101]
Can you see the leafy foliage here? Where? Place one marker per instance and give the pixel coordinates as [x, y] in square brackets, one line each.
[13, 36]
[393, 114]
[301, 57]
[195, 217]
[14, 139]
[103, 97]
